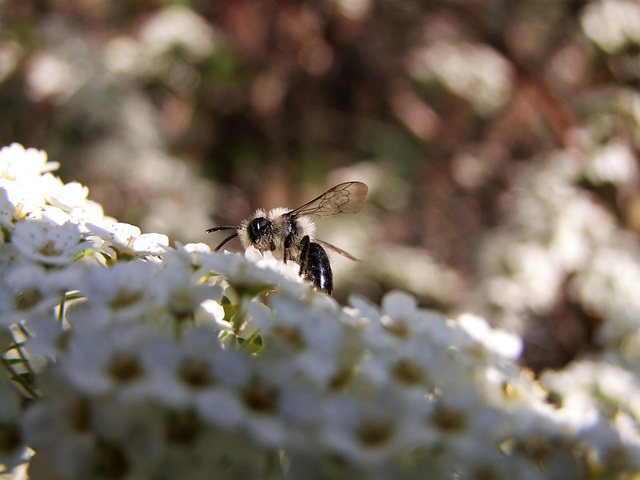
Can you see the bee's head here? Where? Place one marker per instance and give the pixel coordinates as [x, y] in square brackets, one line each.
[257, 231]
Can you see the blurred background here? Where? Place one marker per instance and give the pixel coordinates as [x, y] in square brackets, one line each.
[499, 139]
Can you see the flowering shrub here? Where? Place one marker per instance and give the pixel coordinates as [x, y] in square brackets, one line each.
[127, 358]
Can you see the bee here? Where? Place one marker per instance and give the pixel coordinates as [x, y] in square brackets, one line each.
[290, 234]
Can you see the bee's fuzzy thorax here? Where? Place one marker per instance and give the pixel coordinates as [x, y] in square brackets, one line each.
[274, 213]
[283, 225]
[280, 226]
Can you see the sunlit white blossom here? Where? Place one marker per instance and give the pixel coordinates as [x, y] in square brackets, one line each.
[7, 210]
[48, 244]
[612, 24]
[614, 163]
[192, 256]
[53, 76]
[25, 198]
[213, 315]
[182, 291]
[125, 240]
[19, 164]
[499, 341]
[255, 271]
[475, 72]
[177, 26]
[122, 292]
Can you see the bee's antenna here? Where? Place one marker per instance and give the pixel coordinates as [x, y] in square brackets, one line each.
[230, 237]
[217, 229]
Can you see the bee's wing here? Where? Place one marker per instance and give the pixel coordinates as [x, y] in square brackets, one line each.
[344, 198]
[336, 249]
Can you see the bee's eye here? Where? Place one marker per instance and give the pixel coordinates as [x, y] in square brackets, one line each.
[258, 228]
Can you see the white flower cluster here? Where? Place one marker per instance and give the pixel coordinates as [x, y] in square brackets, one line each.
[612, 24]
[476, 73]
[139, 360]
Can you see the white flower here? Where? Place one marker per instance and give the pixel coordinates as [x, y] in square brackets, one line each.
[112, 366]
[122, 240]
[20, 164]
[25, 197]
[181, 291]
[190, 372]
[254, 273]
[46, 334]
[150, 244]
[177, 26]
[373, 434]
[48, 244]
[220, 407]
[473, 71]
[409, 363]
[29, 290]
[252, 397]
[51, 215]
[593, 390]
[498, 341]
[402, 318]
[260, 400]
[191, 256]
[7, 210]
[72, 199]
[65, 196]
[77, 436]
[614, 163]
[309, 337]
[606, 288]
[121, 293]
[611, 24]
[212, 313]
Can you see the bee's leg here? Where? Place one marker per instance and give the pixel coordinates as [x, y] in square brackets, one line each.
[288, 241]
[315, 266]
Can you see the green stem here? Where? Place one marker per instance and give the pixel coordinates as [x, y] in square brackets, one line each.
[240, 315]
[20, 379]
[25, 378]
[274, 467]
